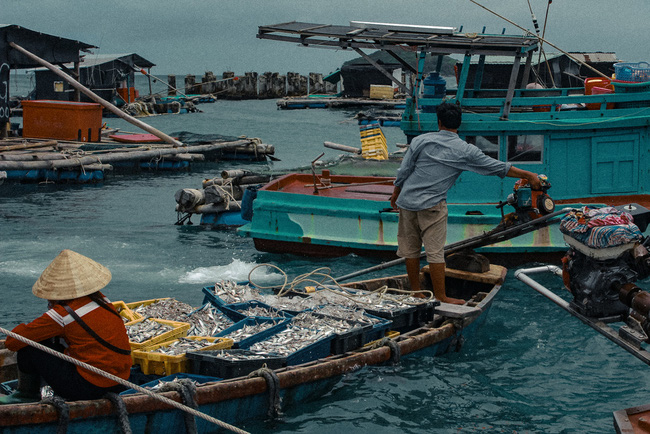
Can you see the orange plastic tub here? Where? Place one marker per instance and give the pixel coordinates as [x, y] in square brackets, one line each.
[62, 120]
[128, 94]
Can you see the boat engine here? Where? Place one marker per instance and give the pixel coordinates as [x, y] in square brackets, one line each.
[599, 278]
[529, 204]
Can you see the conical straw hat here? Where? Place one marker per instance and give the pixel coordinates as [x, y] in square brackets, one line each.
[71, 275]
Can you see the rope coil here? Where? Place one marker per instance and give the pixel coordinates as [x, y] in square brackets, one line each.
[384, 292]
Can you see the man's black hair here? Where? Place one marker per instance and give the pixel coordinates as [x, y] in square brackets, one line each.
[450, 115]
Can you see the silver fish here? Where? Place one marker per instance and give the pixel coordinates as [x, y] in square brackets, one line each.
[147, 329]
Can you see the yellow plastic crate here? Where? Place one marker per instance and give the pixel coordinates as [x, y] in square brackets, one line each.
[374, 147]
[179, 330]
[372, 132]
[125, 312]
[136, 304]
[162, 364]
[381, 91]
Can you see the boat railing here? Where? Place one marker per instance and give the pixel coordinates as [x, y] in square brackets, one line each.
[563, 99]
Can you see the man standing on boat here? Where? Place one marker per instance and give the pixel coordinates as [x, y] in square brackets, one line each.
[430, 168]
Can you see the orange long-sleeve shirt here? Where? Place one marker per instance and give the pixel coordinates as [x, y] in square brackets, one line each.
[82, 346]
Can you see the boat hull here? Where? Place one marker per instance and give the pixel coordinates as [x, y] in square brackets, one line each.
[238, 400]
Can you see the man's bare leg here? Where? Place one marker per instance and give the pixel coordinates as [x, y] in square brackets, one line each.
[413, 272]
[437, 272]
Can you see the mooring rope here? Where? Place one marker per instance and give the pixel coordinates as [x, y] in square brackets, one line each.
[187, 389]
[273, 386]
[123, 382]
[120, 409]
[62, 410]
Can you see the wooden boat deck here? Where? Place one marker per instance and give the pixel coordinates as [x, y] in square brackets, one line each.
[340, 186]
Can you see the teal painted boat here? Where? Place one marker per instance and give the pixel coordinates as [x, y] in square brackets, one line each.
[335, 215]
[240, 400]
[592, 142]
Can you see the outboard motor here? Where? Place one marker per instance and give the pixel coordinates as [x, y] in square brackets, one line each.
[599, 275]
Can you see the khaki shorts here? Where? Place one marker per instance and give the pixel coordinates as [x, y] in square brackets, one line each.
[428, 226]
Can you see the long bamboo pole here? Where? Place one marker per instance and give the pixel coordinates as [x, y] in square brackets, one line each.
[74, 83]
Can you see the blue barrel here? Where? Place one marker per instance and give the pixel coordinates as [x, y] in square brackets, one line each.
[247, 203]
[435, 87]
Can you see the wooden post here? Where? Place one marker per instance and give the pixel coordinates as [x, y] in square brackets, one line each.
[209, 83]
[74, 83]
[171, 88]
[316, 83]
[293, 84]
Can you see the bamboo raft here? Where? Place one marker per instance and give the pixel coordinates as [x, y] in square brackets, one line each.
[43, 160]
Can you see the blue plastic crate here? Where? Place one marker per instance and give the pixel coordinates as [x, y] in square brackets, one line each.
[318, 350]
[240, 308]
[213, 363]
[348, 340]
[378, 330]
[210, 297]
[314, 351]
[403, 319]
[279, 325]
[198, 378]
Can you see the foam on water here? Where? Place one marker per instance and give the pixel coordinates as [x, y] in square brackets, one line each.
[237, 270]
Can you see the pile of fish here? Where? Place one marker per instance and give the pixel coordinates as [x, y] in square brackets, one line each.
[326, 312]
[323, 323]
[290, 340]
[249, 330]
[295, 304]
[358, 316]
[182, 346]
[146, 329]
[261, 311]
[207, 321]
[241, 355]
[164, 308]
[231, 292]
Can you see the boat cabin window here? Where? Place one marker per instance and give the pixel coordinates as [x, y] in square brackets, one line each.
[488, 144]
[526, 148]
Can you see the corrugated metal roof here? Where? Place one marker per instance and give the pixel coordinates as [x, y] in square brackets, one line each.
[595, 57]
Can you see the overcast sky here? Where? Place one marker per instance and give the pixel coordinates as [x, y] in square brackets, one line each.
[194, 36]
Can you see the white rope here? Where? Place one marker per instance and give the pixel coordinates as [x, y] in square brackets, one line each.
[228, 196]
[122, 381]
[383, 291]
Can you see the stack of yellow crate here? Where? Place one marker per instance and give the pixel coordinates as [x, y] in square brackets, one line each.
[373, 141]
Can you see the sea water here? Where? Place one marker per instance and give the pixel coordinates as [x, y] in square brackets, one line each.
[531, 368]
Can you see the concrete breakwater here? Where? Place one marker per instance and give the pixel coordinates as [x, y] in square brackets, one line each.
[252, 85]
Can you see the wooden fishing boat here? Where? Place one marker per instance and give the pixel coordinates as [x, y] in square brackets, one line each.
[334, 215]
[591, 141]
[238, 400]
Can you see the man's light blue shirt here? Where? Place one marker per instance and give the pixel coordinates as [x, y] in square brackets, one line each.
[432, 164]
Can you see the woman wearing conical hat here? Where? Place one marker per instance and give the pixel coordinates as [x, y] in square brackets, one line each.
[91, 329]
